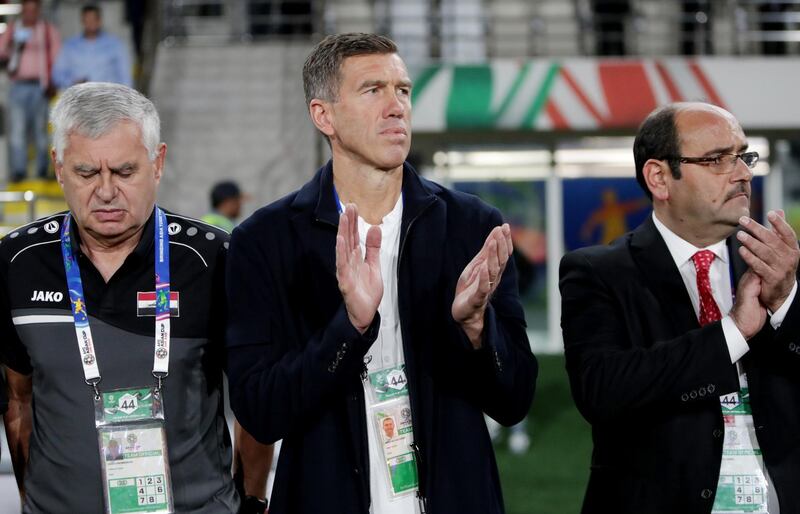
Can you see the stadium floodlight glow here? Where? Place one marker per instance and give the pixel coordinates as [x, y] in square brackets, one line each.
[589, 157]
[10, 9]
[480, 165]
[484, 173]
[616, 156]
[492, 157]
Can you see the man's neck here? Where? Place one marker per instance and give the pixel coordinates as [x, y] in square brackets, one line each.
[108, 255]
[375, 192]
[701, 237]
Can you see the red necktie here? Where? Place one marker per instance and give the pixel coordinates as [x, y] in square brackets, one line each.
[709, 312]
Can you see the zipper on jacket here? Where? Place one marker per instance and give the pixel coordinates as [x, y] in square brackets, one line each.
[405, 236]
[421, 498]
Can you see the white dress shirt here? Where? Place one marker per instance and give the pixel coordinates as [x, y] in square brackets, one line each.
[720, 277]
[386, 351]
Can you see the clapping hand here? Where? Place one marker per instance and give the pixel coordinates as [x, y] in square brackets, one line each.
[479, 280]
[772, 255]
[359, 278]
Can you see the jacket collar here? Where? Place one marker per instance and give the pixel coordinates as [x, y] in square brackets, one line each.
[318, 194]
[140, 253]
[655, 261]
[652, 256]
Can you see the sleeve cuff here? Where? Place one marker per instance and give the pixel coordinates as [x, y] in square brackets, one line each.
[737, 345]
[777, 317]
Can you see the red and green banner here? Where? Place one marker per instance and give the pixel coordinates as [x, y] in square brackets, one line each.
[596, 94]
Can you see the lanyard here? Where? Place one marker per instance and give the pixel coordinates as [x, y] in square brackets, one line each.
[80, 317]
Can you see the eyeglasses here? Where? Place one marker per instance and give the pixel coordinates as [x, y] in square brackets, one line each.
[722, 163]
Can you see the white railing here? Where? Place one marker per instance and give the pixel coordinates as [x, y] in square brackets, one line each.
[476, 30]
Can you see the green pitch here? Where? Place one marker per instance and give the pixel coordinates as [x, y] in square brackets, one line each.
[551, 477]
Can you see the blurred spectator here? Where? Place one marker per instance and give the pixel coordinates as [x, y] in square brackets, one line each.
[462, 30]
[609, 23]
[772, 21]
[93, 56]
[135, 15]
[284, 17]
[697, 28]
[226, 202]
[29, 47]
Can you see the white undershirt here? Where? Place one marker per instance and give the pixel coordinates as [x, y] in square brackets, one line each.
[386, 351]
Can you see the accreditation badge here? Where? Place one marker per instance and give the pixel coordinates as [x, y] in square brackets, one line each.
[396, 435]
[388, 383]
[742, 486]
[133, 451]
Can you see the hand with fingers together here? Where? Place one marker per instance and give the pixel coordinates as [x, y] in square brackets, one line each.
[773, 255]
[359, 278]
[479, 280]
[748, 313]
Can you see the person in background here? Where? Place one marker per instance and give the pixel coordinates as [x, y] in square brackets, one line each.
[697, 27]
[92, 56]
[29, 47]
[226, 205]
[610, 17]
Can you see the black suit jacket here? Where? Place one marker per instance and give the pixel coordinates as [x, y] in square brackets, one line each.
[648, 379]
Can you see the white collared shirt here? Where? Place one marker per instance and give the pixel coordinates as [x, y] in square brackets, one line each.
[720, 277]
[386, 351]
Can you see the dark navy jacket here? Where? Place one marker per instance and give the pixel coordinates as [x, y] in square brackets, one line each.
[295, 361]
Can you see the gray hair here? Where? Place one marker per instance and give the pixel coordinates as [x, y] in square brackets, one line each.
[93, 109]
[321, 71]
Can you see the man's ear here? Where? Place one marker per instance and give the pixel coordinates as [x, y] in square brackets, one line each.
[159, 161]
[58, 167]
[657, 175]
[322, 116]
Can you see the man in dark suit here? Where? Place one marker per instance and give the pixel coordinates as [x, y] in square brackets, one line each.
[681, 337]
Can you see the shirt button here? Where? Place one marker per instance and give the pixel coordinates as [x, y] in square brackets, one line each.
[356, 471]
[386, 359]
[705, 494]
[717, 433]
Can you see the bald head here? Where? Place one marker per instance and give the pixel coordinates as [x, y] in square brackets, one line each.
[662, 134]
[691, 117]
[692, 160]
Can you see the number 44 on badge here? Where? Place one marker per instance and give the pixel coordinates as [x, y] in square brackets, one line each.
[396, 379]
[128, 403]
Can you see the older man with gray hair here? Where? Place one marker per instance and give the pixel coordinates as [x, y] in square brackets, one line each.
[113, 323]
